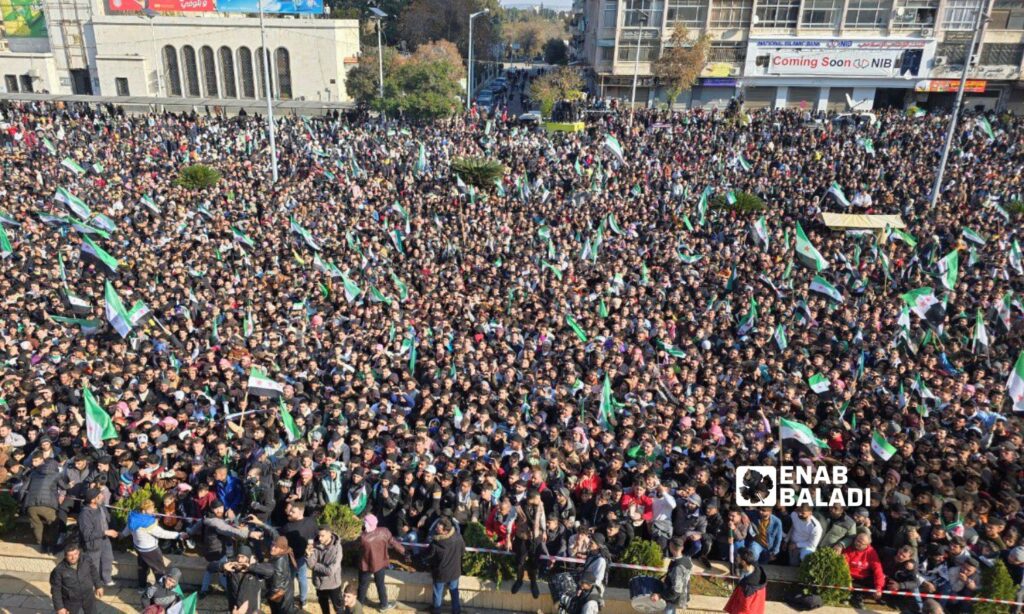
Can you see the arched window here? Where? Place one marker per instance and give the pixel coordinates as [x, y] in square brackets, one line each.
[209, 66]
[171, 71]
[259, 75]
[188, 60]
[245, 73]
[227, 72]
[284, 73]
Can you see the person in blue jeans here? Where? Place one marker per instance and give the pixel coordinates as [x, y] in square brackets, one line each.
[765, 539]
[445, 560]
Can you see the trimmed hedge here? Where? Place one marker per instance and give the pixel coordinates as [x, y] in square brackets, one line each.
[826, 566]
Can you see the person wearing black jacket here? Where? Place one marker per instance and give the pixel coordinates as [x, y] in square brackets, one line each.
[75, 583]
[40, 501]
[445, 559]
[95, 534]
[277, 571]
[243, 586]
[258, 499]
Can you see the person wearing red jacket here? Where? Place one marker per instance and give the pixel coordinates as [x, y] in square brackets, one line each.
[749, 595]
[865, 567]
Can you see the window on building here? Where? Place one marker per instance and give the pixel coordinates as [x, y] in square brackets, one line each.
[171, 71]
[605, 54]
[610, 14]
[227, 72]
[732, 53]
[209, 66]
[26, 84]
[961, 14]
[821, 13]
[646, 13]
[869, 14]
[953, 54]
[121, 85]
[731, 13]
[779, 14]
[188, 61]
[690, 13]
[1002, 54]
[284, 73]
[11, 83]
[915, 14]
[260, 57]
[245, 73]
[1007, 15]
[649, 45]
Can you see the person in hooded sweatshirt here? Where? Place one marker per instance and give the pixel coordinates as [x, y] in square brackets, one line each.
[145, 532]
[677, 579]
[445, 559]
[164, 592]
[749, 595]
[244, 587]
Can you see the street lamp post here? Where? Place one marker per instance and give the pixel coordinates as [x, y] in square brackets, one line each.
[951, 131]
[271, 129]
[636, 62]
[379, 16]
[150, 14]
[469, 75]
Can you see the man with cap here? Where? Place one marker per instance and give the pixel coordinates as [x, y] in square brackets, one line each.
[375, 542]
[243, 586]
[164, 592]
[588, 598]
[95, 533]
[277, 572]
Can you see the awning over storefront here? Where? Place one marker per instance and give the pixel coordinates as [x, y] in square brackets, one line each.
[856, 221]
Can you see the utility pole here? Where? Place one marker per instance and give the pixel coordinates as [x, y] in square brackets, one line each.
[271, 129]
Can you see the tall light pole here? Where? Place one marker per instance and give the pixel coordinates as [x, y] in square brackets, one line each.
[379, 16]
[271, 129]
[636, 63]
[469, 76]
[150, 14]
[951, 131]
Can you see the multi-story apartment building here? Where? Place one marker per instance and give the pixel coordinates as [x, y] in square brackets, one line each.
[815, 54]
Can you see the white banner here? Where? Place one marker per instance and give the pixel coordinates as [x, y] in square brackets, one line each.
[837, 62]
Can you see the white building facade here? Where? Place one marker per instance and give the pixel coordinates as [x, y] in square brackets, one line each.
[817, 54]
[90, 49]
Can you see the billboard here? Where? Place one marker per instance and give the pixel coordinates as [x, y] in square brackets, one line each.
[974, 86]
[893, 59]
[23, 18]
[163, 6]
[291, 7]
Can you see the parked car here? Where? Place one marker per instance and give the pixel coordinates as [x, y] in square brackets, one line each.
[531, 117]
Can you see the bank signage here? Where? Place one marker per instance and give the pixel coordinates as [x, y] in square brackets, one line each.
[885, 59]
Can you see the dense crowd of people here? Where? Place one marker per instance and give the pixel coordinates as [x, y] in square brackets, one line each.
[577, 357]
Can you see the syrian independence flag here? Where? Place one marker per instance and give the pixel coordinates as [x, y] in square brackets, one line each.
[780, 337]
[352, 291]
[748, 321]
[148, 202]
[292, 429]
[744, 164]
[115, 311]
[971, 236]
[298, 229]
[609, 406]
[799, 436]
[922, 391]
[73, 203]
[807, 254]
[820, 285]
[923, 302]
[1015, 385]
[5, 244]
[421, 160]
[89, 327]
[1015, 258]
[104, 223]
[819, 383]
[881, 446]
[1003, 313]
[262, 386]
[950, 267]
[139, 313]
[96, 255]
[77, 303]
[612, 144]
[241, 237]
[576, 328]
[986, 127]
[8, 220]
[98, 426]
[72, 166]
[326, 266]
[979, 344]
[760, 232]
[906, 237]
[837, 190]
[185, 606]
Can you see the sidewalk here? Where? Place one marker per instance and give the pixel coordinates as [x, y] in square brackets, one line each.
[24, 589]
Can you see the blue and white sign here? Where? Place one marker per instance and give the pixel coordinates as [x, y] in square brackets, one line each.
[289, 7]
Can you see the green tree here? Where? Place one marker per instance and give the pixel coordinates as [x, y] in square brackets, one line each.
[827, 567]
[996, 583]
[429, 20]
[531, 34]
[363, 81]
[422, 89]
[682, 61]
[556, 51]
[563, 83]
[360, 9]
